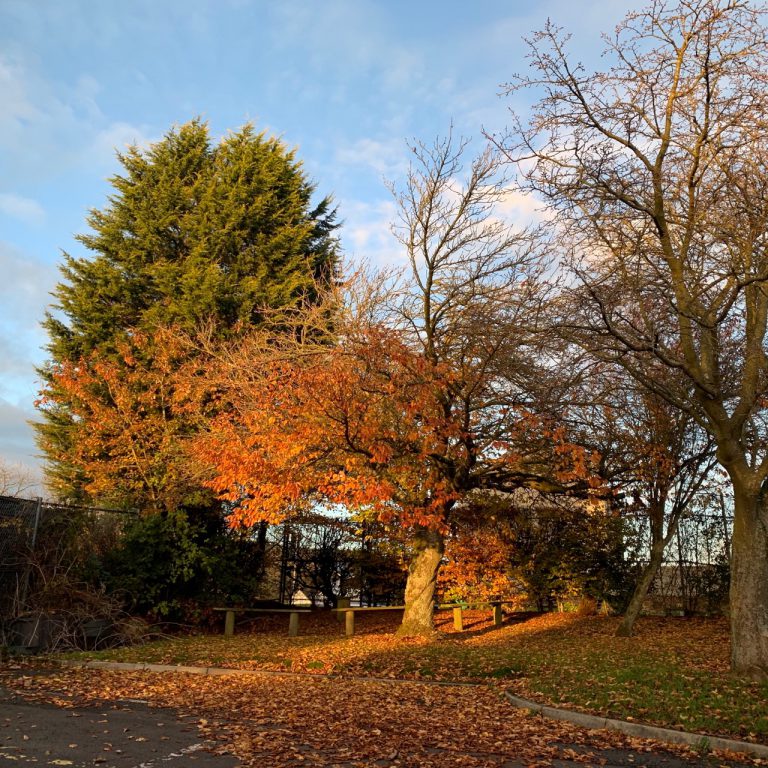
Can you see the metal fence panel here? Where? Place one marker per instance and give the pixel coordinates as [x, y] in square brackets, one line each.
[31, 530]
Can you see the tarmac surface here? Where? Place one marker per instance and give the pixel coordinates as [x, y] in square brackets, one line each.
[119, 734]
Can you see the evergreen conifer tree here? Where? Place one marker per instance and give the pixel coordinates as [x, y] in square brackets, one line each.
[193, 233]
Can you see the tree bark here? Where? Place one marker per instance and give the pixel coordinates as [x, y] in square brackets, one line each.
[749, 583]
[641, 590]
[420, 587]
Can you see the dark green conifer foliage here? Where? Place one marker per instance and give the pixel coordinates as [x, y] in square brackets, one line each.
[193, 232]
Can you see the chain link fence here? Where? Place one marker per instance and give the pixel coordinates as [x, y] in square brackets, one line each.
[40, 542]
[19, 521]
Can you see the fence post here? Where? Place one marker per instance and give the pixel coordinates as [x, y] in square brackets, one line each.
[349, 623]
[458, 619]
[38, 512]
[229, 624]
[497, 615]
[342, 602]
[293, 624]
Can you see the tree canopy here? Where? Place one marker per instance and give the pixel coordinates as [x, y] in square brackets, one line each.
[422, 400]
[654, 170]
[194, 232]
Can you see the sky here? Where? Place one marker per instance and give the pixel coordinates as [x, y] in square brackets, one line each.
[347, 82]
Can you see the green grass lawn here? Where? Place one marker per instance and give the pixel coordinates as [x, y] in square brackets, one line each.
[674, 672]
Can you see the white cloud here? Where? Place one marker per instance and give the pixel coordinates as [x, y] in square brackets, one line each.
[117, 137]
[355, 50]
[46, 130]
[367, 233]
[17, 445]
[388, 158]
[24, 293]
[521, 209]
[23, 208]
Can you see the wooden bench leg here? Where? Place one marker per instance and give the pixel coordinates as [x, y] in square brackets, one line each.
[349, 623]
[293, 625]
[229, 624]
[458, 619]
[496, 615]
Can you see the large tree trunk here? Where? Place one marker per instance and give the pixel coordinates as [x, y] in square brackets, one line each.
[420, 587]
[641, 590]
[749, 583]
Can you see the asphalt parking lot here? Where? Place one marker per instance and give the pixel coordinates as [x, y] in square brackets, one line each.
[120, 734]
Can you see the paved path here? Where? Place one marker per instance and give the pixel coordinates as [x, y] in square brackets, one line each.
[120, 734]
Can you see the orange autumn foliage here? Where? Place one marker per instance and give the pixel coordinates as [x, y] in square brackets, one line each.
[479, 567]
[126, 435]
[274, 426]
[358, 424]
[368, 424]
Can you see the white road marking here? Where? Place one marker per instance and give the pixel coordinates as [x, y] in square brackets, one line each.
[172, 756]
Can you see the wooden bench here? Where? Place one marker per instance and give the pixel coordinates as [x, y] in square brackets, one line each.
[293, 618]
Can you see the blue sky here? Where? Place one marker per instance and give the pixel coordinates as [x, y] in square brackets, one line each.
[345, 81]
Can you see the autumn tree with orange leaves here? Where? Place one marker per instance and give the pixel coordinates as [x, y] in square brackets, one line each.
[419, 397]
[128, 445]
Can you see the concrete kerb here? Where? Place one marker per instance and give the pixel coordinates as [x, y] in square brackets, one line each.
[595, 722]
[640, 730]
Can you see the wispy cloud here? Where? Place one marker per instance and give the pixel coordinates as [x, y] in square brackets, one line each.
[521, 209]
[16, 440]
[46, 130]
[118, 136]
[24, 292]
[367, 233]
[23, 208]
[389, 157]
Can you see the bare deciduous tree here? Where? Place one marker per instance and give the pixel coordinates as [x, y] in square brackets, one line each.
[16, 480]
[663, 459]
[421, 400]
[464, 302]
[656, 170]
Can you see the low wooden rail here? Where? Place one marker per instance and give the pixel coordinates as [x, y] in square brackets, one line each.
[457, 608]
[293, 618]
[349, 614]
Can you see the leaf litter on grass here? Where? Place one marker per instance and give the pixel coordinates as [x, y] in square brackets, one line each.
[269, 721]
[673, 672]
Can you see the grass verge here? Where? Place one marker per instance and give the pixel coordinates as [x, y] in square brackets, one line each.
[673, 673]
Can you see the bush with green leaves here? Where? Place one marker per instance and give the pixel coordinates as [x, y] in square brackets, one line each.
[175, 566]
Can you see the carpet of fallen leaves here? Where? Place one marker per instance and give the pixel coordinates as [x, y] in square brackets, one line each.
[674, 672]
[292, 720]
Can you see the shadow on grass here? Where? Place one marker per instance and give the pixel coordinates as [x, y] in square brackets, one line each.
[674, 672]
